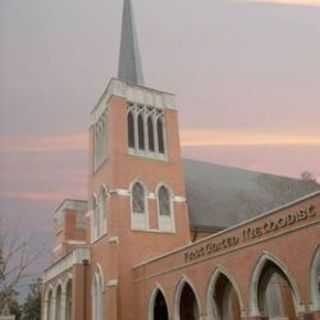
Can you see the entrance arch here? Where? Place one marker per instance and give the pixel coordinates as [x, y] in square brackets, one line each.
[58, 303]
[315, 281]
[158, 306]
[68, 314]
[187, 303]
[223, 300]
[274, 293]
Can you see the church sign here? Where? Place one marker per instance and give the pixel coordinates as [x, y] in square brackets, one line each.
[250, 233]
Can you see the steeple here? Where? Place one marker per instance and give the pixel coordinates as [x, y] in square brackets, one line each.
[130, 67]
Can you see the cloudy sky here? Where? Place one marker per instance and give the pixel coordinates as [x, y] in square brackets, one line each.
[246, 75]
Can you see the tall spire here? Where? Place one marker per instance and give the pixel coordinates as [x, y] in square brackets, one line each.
[130, 67]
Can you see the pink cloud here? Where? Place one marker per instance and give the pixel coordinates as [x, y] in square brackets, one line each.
[73, 142]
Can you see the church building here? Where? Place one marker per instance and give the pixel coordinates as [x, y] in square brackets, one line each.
[164, 238]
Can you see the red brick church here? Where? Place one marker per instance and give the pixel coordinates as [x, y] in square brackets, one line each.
[163, 238]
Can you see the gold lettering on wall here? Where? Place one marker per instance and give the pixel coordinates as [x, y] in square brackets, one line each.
[248, 234]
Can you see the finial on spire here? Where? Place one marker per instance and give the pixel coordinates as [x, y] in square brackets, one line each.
[130, 66]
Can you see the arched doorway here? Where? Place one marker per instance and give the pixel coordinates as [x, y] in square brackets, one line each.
[159, 307]
[275, 298]
[188, 308]
[49, 306]
[223, 301]
[69, 300]
[315, 281]
[58, 303]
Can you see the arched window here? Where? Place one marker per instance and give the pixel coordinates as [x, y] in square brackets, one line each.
[164, 201]
[96, 218]
[141, 132]
[102, 215]
[138, 205]
[131, 133]
[165, 207]
[160, 135]
[138, 199]
[97, 296]
[151, 134]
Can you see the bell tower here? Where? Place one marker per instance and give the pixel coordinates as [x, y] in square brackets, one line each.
[137, 194]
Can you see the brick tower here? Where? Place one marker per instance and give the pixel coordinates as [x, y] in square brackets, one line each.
[136, 181]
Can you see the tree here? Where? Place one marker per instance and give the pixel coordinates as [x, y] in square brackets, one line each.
[31, 309]
[16, 258]
[308, 176]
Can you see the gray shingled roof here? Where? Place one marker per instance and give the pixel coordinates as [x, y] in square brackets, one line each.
[220, 196]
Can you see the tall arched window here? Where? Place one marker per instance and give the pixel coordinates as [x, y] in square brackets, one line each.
[165, 208]
[95, 227]
[141, 132]
[131, 130]
[151, 134]
[97, 296]
[138, 205]
[160, 135]
[102, 215]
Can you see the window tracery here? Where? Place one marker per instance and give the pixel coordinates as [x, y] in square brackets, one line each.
[146, 131]
[100, 140]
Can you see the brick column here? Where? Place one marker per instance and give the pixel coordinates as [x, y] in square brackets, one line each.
[78, 293]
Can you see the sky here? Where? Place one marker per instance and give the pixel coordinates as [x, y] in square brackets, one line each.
[246, 75]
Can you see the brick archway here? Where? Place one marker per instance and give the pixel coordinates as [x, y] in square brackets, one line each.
[212, 306]
[315, 281]
[182, 284]
[255, 279]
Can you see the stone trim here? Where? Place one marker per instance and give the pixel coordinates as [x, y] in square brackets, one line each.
[112, 283]
[77, 256]
[241, 224]
[133, 93]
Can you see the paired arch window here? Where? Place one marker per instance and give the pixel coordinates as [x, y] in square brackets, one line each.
[99, 214]
[100, 140]
[146, 130]
[97, 296]
[139, 214]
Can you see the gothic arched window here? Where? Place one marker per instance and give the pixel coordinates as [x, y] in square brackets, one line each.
[165, 215]
[138, 198]
[131, 130]
[151, 134]
[164, 201]
[138, 206]
[141, 132]
[102, 228]
[160, 135]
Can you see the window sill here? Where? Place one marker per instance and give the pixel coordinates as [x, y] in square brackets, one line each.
[147, 154]
[153, 231]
